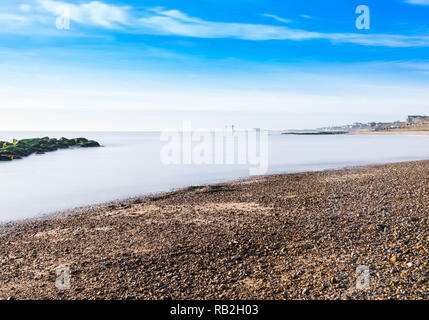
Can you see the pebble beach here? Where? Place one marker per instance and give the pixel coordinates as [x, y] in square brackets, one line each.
[290, 236]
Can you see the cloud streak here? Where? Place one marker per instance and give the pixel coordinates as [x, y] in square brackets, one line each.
[162, 22]
[174, 22]
[418, 2]
[275, 17]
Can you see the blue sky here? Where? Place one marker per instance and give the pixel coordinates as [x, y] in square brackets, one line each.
[147, 65]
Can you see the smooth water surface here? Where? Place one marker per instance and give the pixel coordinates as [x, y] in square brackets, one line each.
[129, 165]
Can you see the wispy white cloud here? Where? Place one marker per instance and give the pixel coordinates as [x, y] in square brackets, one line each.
[25, 7]
[159, 21]
[420, 2]
[13, 18]
[387, 40]
[275, 17]
[174, 22]
[421, 66]
[305, 16]
[12, 21]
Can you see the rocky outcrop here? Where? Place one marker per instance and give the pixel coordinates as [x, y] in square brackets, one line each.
[25, 147]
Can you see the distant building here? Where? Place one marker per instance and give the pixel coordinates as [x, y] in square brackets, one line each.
[415, 117]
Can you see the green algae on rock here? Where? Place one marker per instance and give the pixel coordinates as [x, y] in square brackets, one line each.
[25, 147]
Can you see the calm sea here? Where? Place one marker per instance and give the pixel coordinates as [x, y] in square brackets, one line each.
[129, 165]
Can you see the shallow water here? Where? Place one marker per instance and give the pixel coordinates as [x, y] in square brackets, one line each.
[129, 165]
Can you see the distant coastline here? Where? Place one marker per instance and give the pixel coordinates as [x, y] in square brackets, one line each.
[316, 133]
[414, 125]
[399, 131]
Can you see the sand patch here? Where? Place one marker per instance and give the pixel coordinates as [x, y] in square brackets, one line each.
[288, 196]
[133, 211]
[246, 182]
[233, 206]
[103, 229]
[58, 232]
[351, 176]
[199, 215]
[252, 284]
[420, 132]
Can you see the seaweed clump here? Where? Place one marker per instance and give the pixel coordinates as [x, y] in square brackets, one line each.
[25, 147]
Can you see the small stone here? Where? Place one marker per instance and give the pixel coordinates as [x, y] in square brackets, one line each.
[409, 264]
[393, 259]
[236, 258]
